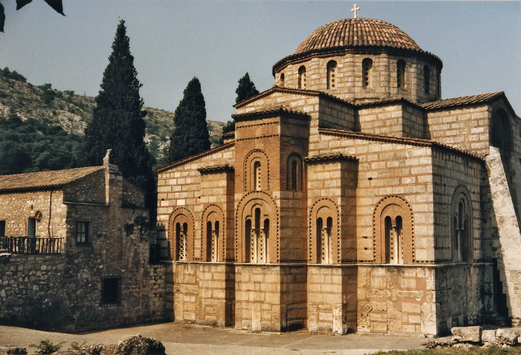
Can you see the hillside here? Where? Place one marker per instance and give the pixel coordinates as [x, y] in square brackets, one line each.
[72, 112]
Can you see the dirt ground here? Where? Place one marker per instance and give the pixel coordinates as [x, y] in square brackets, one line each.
[194, 339]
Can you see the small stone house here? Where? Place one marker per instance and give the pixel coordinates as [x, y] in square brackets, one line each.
[76, 251]
[351, 197]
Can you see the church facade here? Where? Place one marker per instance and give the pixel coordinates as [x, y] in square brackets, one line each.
[351, 197]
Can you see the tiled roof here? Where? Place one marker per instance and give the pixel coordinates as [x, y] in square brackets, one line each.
[356, 32]
[399, 140]
[462, 101]
[328, 157]
[195, 157]
[44, 179]
[273, 110]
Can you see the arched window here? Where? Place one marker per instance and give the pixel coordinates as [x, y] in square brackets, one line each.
[367, 73]
[294, 173]
[257, 176]
[212, 241]
[500, 132]
[426, 80]
[282, 77]
[400, 74]
[461, 226]
[180, 231]
[393, 240]
[302, 80]
[331, 74]
[393, 231]
[257, 233]
[256, 171]
[324, 238]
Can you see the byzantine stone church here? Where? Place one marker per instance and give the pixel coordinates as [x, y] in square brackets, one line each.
[351, 198]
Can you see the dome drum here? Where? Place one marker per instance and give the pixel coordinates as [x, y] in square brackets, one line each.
[362, 60]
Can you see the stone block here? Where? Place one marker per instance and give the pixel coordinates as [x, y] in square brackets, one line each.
[507, 336]
[467, 334]
[488, 335]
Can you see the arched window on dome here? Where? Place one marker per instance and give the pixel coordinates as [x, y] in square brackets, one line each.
[302, 80]
[331, 74]
[367, 73]
[400, 74]
[426, 79]
[282, 79]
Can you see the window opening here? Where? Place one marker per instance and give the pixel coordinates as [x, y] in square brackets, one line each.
[426, 79]
[302, 80]
[258, 238]
[82, 232]
[400, 74]
[367, 72]
[111, 291]
[393, 240]
[257, 176]
[331, 74]
[2, 228]
[181, 232]
[294, 175]
[320, 241]
[282, 79]
[31, 227]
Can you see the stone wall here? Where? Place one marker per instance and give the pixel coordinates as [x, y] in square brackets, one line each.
[397, 300]
[270, 297]
[63, 292]
[204, 293]
[332, 298]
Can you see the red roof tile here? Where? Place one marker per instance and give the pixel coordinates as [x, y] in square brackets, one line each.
[462, 101]
[44, 179]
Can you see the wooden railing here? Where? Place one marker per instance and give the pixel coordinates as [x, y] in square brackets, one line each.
[32, 245]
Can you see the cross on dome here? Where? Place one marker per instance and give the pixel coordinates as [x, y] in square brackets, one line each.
[354, 10]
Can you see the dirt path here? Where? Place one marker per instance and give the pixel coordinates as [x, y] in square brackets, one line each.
[194, 339]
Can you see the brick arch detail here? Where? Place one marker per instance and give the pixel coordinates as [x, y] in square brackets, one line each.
[393, 206]
[317, 209]
[250, 159]
[208, 214]
[181, 214]
[244, 208]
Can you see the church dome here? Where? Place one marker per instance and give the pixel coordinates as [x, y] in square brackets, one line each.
[356, 32]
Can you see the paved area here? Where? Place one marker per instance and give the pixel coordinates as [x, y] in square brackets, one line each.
[194, 339]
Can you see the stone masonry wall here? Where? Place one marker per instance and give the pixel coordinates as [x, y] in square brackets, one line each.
[270, 297]
[332, 298]
[16, 208]
[204, 293]
[397, 300]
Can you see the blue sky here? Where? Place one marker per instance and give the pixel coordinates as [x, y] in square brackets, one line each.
[219, 41]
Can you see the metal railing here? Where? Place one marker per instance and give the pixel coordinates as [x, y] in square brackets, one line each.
[32, 245]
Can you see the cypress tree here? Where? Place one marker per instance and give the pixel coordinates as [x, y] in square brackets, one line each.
[190, 135]
[117, 121]
[246, 89]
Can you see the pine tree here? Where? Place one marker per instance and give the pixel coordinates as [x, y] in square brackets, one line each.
[117, 121]
[190, 135]
[246, 89]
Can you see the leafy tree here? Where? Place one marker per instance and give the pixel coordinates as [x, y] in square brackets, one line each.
[190, 135]
[246, 89]
[55, 4]
[117, 121]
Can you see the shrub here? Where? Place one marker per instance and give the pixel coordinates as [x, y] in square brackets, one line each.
[46, 347]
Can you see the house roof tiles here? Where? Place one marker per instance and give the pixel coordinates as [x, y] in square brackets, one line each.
[44, 179]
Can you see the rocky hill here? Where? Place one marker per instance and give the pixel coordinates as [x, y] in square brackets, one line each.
[72, 112]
